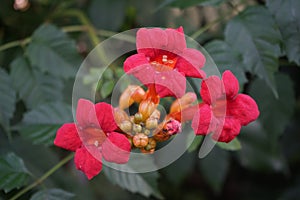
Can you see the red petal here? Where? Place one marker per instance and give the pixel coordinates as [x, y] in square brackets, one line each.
[203, 121]
[116, 148]
[87, 163]
[231, 84]
[176, 41]
[85, 114]
[243, 108]
[105, 117]
[139, 67]
[170, 83]
[230, 130]
[190, 63]
[180, 29]
[135, 61]
[151, 41]
[67, 137]
[188, 114]
[212, 89]
[148, 41]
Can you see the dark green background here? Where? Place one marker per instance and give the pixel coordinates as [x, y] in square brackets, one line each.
[42, 47]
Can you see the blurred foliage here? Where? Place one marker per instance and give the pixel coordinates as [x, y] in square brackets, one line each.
[43, 44]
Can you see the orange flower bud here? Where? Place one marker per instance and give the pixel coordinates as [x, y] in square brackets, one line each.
[137, 128]
[138, 94]
[151, 123]
[132, 93]
[138, 118]
[161, 136]
[146, 108]
[155, 114]
[120, 115]
[146, 131]
[151, 145]
[140, 140]
[126, 126]
[183, 102]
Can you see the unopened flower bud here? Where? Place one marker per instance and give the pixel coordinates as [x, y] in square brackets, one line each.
[161, 136]
[146, 131]
[155, 114]
[146, 108]
[120, 115]
[137, 128]
[138, 94]
[138, 117]
[183, 102]
[172, 127]
[151, 144]
[133, 93]
[140, 140]
[126, 126]
[151, 123]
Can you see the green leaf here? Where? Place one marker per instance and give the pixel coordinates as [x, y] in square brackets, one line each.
[33, 87]
[108, 74]
[107, 88]
[13, 173]
[234, 145]
[7, 99]
[195, 144]
[52, 51]
[144, 184]
[104, 20]
[214, 168]
[287, 17]
[227, 59]
[52, 194]
[40, 124]
[275, 113]
[254, 35]
[178, 170]
[188, 3]
[259, 152]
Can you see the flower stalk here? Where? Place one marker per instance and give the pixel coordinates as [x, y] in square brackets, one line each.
[44, 177]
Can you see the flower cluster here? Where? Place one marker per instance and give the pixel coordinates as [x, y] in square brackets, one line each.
[161, 64]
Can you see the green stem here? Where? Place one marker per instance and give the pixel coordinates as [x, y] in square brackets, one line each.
[85, 21]
[42, 178]
[15, 44]
[90, 30]
[106, 33]
[206, 27]
[23, 42]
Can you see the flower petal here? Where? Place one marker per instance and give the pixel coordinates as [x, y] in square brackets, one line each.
[105, 116]
[176, 40]
[170, 83]
[203, 121]
[190, 63]
[149, 41]
[212, 89]
[243, 108]
[67, 137]
[87, 163]
[85, 114]
[186, 114]
[135, 61]
[139, 67]
[116, 148]
[231, 84]
[229, 131]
